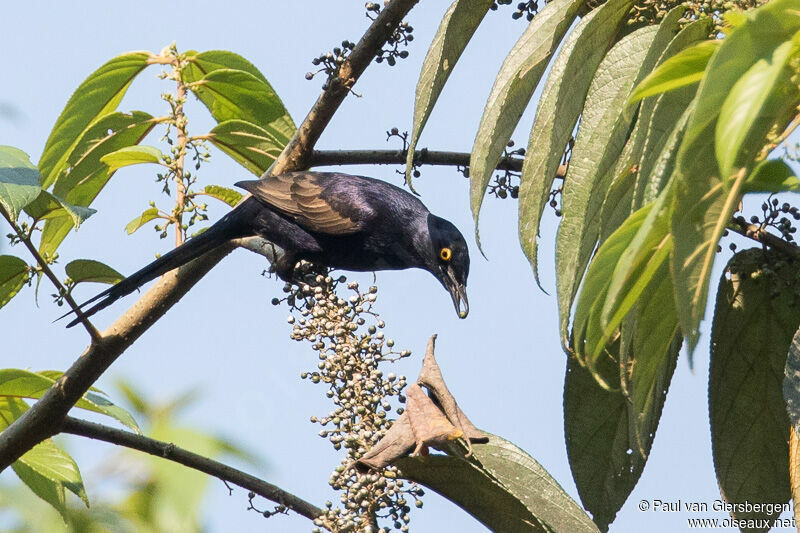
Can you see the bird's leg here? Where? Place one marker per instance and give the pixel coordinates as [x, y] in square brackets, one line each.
[284, 266]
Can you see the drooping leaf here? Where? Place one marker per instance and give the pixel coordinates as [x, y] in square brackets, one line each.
[146, 216]
[16, 383]
[588, 339]
[249, 145]
[87, 175]
[456, 29]
[758, 100]
[47, 470]
[620, 200]
[655, 345]
[644, 252]
[755, 319]
[224, 194]
[49, 206]
[684, 68]
[512, 90]
[19, 181]
[604, 458]
[501, 486]
[559, 108]
[604, 128]
[131, 155]
[666, 116]
[89, 270]
[705, 199]
[772, 176]
[98, 95]
[231, 94]
[13, 273]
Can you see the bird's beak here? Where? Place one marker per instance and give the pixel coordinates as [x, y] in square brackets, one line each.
[458, 293]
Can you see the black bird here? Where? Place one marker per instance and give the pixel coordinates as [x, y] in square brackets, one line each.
[332, 220]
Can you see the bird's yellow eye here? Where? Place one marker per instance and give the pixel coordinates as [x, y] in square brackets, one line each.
[446, 254]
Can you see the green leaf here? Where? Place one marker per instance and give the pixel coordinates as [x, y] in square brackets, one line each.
[131, 155]
[512, 90]
[772, 176]
[224, 194]
[87, 175]
[456, 29]
[755, 319]
[588, 338]
[89, 270]
[559, 107]
[49, 206]
[637, 263]
[146, 216]
[501, 486]
[231, 94]
[48, 470]
[13, 273]
[684, 68]
[97, 96]
[604, 457]
[16, 383]
[704, 202]
[758, 100]
[19, 181]
[202, 63]
[249, 145]
[662, 115]
[605, 125]
[656, 344]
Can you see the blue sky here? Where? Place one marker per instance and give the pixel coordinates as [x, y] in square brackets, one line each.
[503, 363]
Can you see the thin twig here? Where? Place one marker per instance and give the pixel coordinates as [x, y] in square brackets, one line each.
[60, 289]
[759, 234]
[42, 419]
[173, 453]
[398, 157]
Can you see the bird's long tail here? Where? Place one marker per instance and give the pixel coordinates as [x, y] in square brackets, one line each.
[228, 227]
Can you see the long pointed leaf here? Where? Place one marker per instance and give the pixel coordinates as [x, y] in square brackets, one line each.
[706, 199]
[456, 29]
[502, 486]
[755, 319]
[561, 103]
[97, 96]
[604, 128]
[87, 174]
[512, 90]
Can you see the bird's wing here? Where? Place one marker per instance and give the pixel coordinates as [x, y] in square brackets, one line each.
[306, 198]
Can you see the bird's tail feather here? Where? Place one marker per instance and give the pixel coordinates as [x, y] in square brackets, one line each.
[224, 230]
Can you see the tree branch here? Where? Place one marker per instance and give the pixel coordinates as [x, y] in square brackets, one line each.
[759, 234]
[173, 453]
[43, 418]
[48, 272]
[398, 157]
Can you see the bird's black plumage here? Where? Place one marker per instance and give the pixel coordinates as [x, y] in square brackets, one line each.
[333, 220]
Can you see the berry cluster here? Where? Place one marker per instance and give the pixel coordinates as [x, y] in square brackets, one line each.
[329, 62]
[775, 215]
[506, 183]
[401, 37]
[394, 132]
[528, 8]
[350, 343]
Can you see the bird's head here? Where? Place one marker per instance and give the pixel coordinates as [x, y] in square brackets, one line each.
[448, 260]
